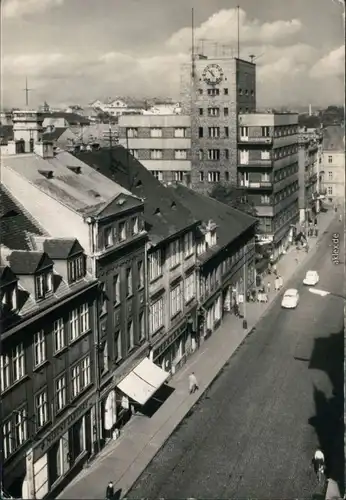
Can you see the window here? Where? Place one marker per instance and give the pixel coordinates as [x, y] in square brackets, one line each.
[156, 132]
[330, 190]
[134, 153]
[226, 176]
[178, 176]
[265, 199]
[175, 299]
[214, 131]
[108, 235]
[180, 154]
[240, 91]
[200, 91]
[213, 154]
[265, 131]
[5, 380]
[41, 405]
[44, 284]
[213, 237]
[330, 159]
[118, 353]
[225, 91]
[131, 335]
[213, 92]
[60, 391]
[226, 154]
[132, 132]
[180, 132]
[174, 253]
[201, 111]
[140, 274]
[20, 427]
[265, 155]
[18, 367]
[200, 154]
[134, 226]
[226, 132]
[213, 176]
[74, 324]
[85, 373]
[156, 315]
[244, 131]
[122, 231]
[7, 439]
[76, 268]
[39, 348]
[155, 265]
[158, 174]
[330, 175]
[156, 154]
[84, 318]
[201, 176]
[128, 282]
[213, 112]
[103, 357]
[141, 326]
[59, 335]
[189, 287]
[225, 111]
[188, 244]
[75, 381]
[200, 131]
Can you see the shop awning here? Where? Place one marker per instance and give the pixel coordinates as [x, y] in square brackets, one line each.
[144, 380]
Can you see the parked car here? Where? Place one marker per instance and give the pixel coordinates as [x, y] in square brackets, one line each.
[290, 299]
[311, 278]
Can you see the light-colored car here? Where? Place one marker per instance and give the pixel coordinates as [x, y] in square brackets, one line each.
[290, 299]
[311, 278]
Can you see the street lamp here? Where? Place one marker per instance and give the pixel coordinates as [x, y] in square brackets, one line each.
[324, 293]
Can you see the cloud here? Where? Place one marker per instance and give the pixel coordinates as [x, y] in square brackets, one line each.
[333, 64]
[21, 8]
[222, 27]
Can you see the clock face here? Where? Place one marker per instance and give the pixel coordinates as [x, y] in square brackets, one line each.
[213, 74]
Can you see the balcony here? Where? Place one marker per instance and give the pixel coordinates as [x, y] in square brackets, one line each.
[255, 140]
[256, 163]
[257, 185]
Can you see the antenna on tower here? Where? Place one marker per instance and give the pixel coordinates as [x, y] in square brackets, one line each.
[238, 32]
[27, 90]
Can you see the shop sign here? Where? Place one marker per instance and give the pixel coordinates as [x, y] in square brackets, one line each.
[169, 341]
[61, 428]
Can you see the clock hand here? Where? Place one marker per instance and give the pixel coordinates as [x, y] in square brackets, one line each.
[212, 74]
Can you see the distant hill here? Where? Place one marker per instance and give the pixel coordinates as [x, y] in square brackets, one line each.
[333, 115]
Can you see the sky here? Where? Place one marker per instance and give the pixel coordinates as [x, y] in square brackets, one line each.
[77, 51]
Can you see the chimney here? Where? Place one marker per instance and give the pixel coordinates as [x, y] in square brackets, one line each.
[44, 149]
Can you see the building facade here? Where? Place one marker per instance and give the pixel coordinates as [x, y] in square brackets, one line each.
[48, 378]
[268, 172]
[68, 198]
[162, 143]
[333, 164]
[213, 96]
[310, 158]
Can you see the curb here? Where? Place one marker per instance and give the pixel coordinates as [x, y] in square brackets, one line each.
[202, 392]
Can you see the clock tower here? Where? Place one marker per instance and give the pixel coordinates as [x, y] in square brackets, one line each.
[220, 89]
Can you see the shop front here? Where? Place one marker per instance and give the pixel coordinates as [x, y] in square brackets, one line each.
[115, 413]
[61, 454]
[172, 351]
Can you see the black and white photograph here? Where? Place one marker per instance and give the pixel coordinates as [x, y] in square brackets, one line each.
[172, 249]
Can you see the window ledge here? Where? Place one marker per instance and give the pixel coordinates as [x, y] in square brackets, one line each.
[39, 367]
[17, 382]
[173, 268]
[81, 336]
[153, 280]
[60, 351]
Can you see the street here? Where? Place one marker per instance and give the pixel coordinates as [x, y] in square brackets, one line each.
[254, 432]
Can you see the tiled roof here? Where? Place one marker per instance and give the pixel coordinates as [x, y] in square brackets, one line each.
[16, 224]
[27, 262]
[231, 223]
[61, 248]
[86, 192]
[334, 138]
[124, 169]
[54, 134]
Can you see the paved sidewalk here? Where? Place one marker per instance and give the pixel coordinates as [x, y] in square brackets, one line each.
[124, 460]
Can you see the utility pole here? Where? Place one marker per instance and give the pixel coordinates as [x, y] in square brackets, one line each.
[27, 90]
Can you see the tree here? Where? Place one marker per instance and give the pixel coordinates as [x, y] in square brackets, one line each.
[234, 197]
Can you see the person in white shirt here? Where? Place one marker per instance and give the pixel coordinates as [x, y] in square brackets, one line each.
[318, 460]
[193, 384]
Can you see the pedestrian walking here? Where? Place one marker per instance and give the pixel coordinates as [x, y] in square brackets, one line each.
[277, 283]
[110, 491]
[268, 287]
[193, 385]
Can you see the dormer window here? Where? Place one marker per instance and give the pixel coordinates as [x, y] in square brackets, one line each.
[76, 268]
[213, 238]
[9, 297]
[122, 231]
[135, 225]
[44, 284]
[108, 234]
